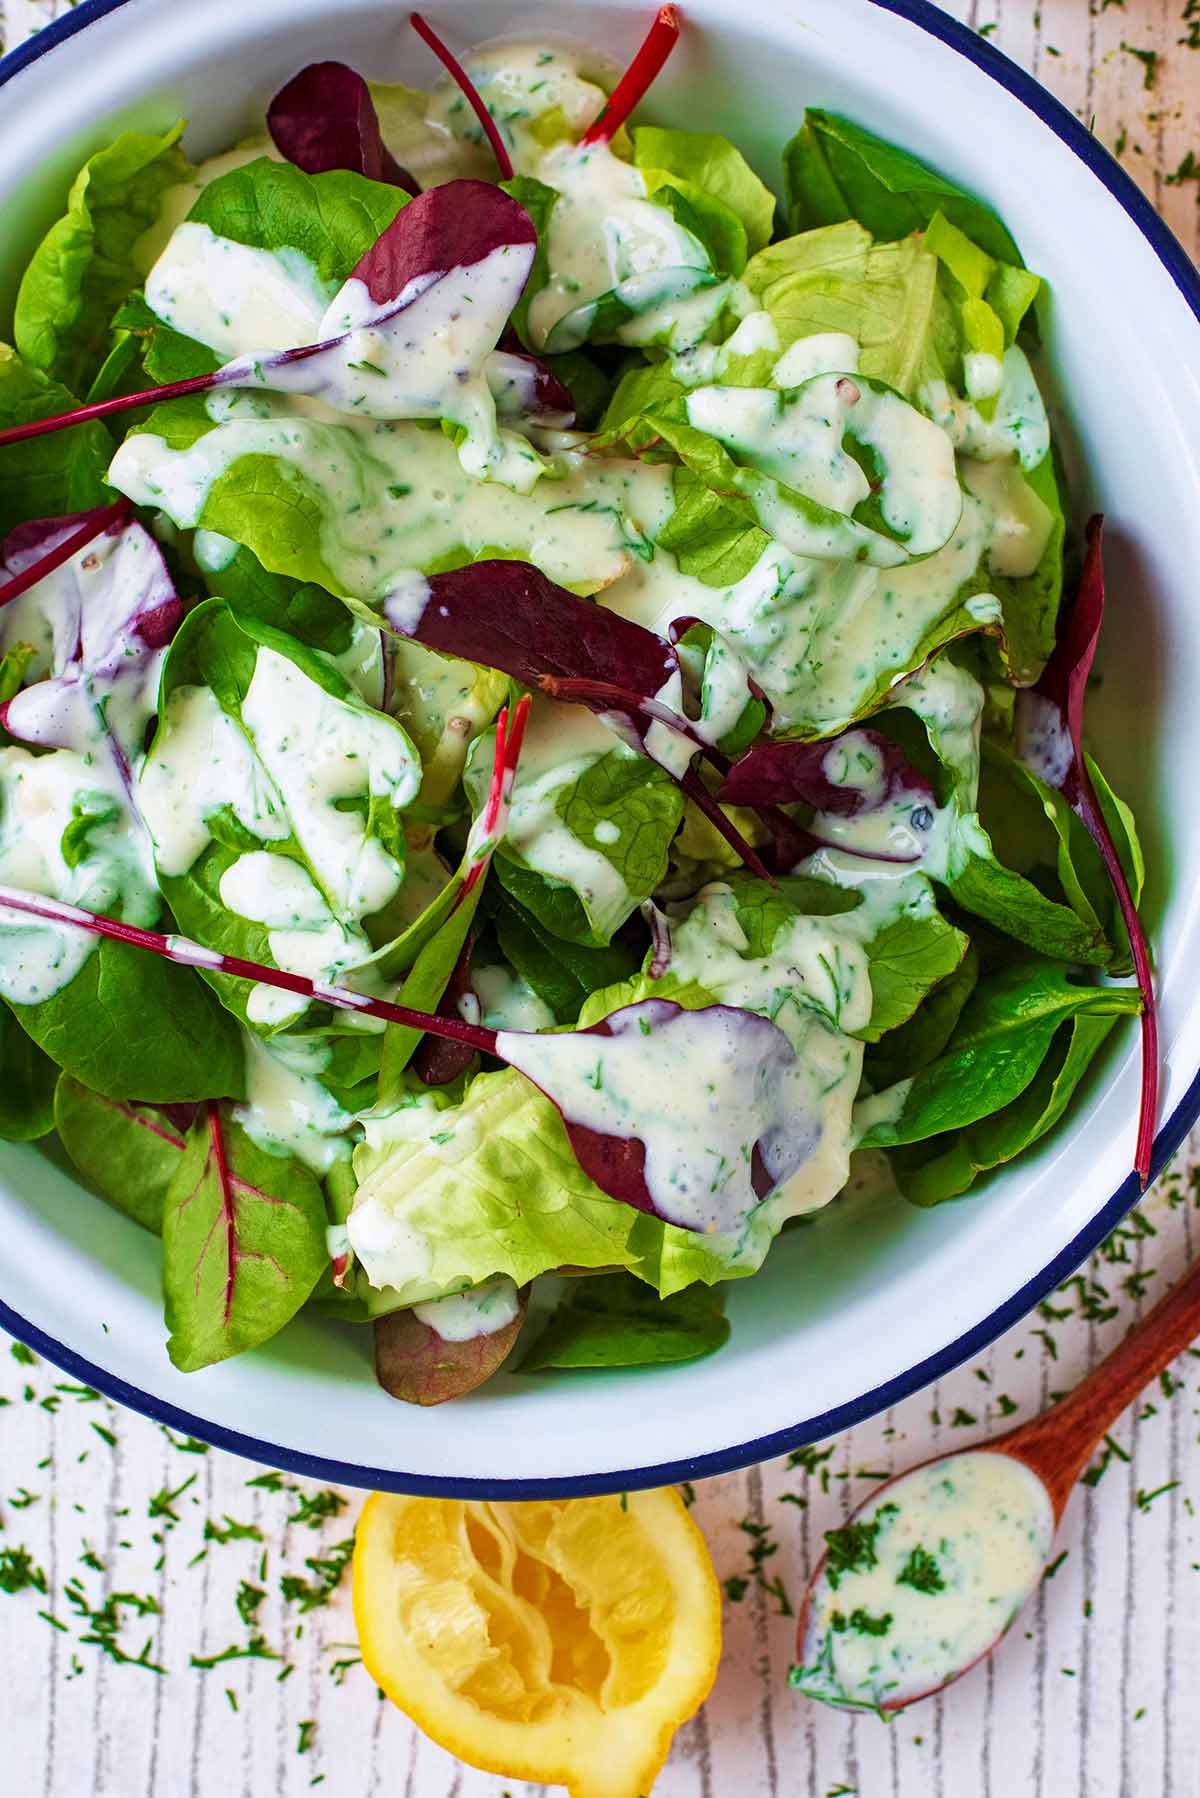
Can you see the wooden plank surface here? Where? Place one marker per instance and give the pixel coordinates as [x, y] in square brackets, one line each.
[1094, 1696]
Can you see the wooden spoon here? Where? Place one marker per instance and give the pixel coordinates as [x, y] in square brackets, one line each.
[921, 1651]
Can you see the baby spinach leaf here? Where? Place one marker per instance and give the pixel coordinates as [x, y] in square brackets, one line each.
[1033, 826]
[904, 1051]
[763, 909]
[126, 1152]
[27, 1080]
[1013, 905]
[834, 170]
[243, 1243]
[707, 161]
[907, 960]
[947, 1166]
[298, 608]
[615, 1320]
[47, 477]
[84, 266]
[129, 1023]
[1001, 1040]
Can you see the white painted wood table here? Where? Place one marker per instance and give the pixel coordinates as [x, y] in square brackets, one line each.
[1095, 1697]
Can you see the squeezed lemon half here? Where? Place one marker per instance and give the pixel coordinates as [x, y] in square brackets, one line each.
[562, 1641]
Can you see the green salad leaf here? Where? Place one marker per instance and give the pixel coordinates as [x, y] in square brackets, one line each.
[27, 1079]
[218, 652]
[561, 971]
[885, 295]
[943, 1167]
[86, 264]
[127, 1153]
[608, 879]
[998, 1045]
[50, 476]
[243, 1243]
[835, 170]
[613, 1320]
[710, 164]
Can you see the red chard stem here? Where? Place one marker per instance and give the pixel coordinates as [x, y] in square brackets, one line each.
[95, 525]
[123, 402]
[458, 74]
[195, 955]
[642, 72]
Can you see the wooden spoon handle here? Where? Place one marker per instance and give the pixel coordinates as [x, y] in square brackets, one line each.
[1058, 1444]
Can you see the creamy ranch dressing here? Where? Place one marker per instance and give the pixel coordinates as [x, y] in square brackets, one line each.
[236, 298]
[799, 437]
[41, 796]
[928, 1575]
[394, 494]
[287, 1110]
[701, 1092]
[480, 1311]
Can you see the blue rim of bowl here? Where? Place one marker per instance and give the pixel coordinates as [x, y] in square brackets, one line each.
[1065, 126]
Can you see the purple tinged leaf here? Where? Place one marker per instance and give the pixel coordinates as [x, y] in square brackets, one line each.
[452, 226]
[523, 387]
[325, 119]
[791, 773]
[106, 612]
[510, 616]
[414, 1363]
[1050, 731]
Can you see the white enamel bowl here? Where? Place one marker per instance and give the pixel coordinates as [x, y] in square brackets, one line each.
[867, 1304]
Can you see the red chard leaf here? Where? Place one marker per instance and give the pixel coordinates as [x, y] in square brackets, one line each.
[523, 387]
[325, 119]
[792, 773]
[1050, 737]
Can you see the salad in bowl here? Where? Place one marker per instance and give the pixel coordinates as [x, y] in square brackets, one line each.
[542, 711]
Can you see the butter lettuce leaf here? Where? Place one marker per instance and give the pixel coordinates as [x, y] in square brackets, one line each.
[85, 265]
[706, 161]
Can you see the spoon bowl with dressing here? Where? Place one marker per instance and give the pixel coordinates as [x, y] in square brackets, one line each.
[935, 1566]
